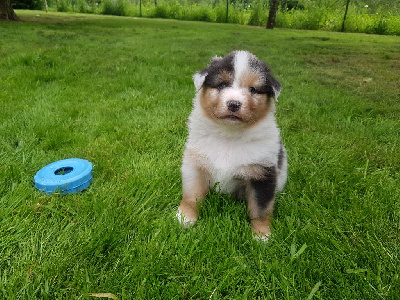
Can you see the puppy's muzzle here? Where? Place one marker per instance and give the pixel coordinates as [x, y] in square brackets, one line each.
[234, 106]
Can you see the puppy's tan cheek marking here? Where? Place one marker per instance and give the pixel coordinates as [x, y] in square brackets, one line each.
[260, 105]
[264, 105]
[209, 102]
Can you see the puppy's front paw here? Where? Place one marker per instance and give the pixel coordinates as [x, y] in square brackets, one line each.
[184, 220]
[261, 229]
[262, 238]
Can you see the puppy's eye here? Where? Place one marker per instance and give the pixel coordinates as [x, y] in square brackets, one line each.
[221, 86]
[252, 90]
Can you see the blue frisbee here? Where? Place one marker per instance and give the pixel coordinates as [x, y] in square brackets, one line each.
[64, 176]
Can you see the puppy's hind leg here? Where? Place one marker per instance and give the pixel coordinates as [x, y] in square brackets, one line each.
[195, 187]
[260, 194]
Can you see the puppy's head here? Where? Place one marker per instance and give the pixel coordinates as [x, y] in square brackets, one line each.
[237, 89]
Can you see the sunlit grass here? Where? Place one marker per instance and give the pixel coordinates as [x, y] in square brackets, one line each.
[117, 91]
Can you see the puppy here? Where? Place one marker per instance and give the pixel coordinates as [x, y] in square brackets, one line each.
[233, 140]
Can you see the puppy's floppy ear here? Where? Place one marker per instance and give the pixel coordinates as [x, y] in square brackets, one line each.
[276, 86]
[271, 82]
[200, 76]
[198, 79]
[277, 91]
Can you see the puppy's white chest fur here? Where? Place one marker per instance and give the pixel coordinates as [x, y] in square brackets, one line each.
[224, 153]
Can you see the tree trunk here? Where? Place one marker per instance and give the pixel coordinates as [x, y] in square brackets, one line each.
[345, 14]
[7, 12]
[273, 8]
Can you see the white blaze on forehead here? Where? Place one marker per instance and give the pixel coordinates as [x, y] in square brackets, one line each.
[241, 63]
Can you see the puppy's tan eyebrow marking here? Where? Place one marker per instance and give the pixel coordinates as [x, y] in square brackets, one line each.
[225, 77]
[250, 79]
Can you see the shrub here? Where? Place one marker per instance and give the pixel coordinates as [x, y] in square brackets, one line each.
[314, 18]
[63, 6]
[116, 8]
[175, 10]
[83, 6]
[166, 10]
[220, 11]
[258, 15]
[237, 15]
[161, 11]
[378, 27]
[28, 4]
[202, 14]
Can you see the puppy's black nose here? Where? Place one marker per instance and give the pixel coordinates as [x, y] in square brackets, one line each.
[234, 106]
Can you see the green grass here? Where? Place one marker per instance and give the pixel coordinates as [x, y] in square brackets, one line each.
[117, 91]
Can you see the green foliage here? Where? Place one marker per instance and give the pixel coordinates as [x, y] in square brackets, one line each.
[312, 19]
[376, 17]
[64, 6]
[116, 8]
[320, 18]
[27, 4]
[82, 6]
[220, 13]
[380, 27]
[258, 14]
[169, 10]
[203, 15]
[161, 11]
[377, 24]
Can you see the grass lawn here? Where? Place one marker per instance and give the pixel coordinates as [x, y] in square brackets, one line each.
[117, 91]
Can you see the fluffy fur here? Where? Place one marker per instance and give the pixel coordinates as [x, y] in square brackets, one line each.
[234, 140]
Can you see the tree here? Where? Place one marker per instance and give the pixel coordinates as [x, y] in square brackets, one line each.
[7, 12]
[345, 14]
[273, 8]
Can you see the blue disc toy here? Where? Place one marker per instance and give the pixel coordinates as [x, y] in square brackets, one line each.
[64, 176]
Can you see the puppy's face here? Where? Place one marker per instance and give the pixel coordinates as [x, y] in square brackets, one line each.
[237, 89]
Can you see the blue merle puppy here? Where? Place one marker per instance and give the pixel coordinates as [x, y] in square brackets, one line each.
[234, 140]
